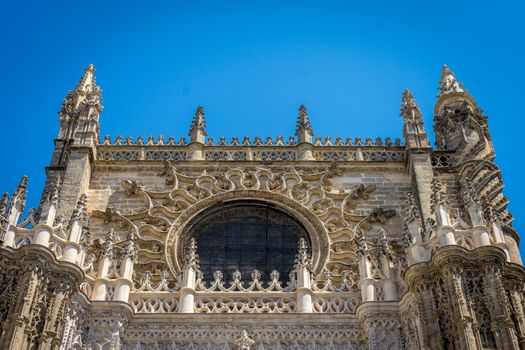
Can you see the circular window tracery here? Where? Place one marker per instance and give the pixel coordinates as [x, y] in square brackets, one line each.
[246, 236]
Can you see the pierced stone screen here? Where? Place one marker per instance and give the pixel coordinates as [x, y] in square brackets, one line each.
[246, 237]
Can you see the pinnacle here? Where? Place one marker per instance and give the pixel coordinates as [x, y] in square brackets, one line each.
[90, 68]
[446, 71]
[303, 122]
[23, 181]
[199, 122]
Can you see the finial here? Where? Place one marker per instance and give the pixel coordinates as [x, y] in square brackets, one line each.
[191, 258]
[382, 243]
[130, 248]
[18, 200]
[303, 131]
[87, 82]
[90, 68]
[409, 108]
[413, 125]
[198, 126]
[80, 208]
[302, 259]
[437, 197]
[244, 342]
[107, 246]
[411, 210]
[448, 82]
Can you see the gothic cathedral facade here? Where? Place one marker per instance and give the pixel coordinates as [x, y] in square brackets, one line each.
[265, 243]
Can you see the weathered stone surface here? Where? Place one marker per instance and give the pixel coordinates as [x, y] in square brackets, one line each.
[400, 246]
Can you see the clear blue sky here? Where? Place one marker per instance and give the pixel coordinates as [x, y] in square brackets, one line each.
[250, 64]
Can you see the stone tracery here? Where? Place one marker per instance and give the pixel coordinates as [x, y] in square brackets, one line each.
[406, 247]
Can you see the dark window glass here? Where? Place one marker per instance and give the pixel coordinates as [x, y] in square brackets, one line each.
[245, 237]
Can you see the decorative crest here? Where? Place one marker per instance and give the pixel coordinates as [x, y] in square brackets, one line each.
[244, 342]
[303, 131]
[448, 82]
[198, 126]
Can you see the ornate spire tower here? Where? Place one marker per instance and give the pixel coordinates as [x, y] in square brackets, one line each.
[76, 144]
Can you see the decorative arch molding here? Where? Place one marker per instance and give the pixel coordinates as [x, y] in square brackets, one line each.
[314, 227]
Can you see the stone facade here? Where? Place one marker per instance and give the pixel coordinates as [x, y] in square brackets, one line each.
[408, 246]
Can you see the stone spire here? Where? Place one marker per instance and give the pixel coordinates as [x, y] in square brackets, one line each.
[18, 201]
[198, 126]
[79, 115]
[303, 131]
[448, 82]
[413, 125]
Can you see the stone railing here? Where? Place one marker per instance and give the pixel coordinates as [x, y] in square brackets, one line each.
[255, 297]
[256, 149]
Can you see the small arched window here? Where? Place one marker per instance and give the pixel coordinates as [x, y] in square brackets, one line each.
[246, 236]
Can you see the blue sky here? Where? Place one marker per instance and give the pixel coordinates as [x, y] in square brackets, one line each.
[250, 64]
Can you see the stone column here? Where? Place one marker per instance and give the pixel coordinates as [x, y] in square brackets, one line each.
[72, 247]
[105, 261]
[389, 284]
[440, 209]
[53, 328]
[413, 238]
[431, 335]
[44, 229]
[365, 271]
[517, 296]
[189, 274]
[15, 328]
[124, 284]
[460, 309]
[304, 283]
[481, 234]
[502, 324]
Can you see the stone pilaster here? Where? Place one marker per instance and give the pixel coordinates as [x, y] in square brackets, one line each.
[502, 325]
[460, 309]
